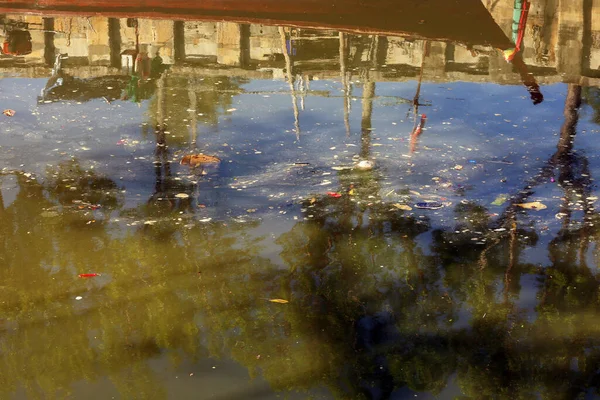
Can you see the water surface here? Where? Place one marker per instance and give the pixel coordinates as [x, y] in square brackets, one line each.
[483, 296]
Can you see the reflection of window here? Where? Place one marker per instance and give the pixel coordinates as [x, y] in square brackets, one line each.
[17, 43]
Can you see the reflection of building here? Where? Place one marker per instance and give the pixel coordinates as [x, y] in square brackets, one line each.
[562, 36]
[562, 42]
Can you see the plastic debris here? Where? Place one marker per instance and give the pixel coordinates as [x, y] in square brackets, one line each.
[88, 275]
[403, 207]
[280, 301]
[335, 195]
[429, 205]
[500, 199]
[365, 165]
[182, 195]
[9, 113]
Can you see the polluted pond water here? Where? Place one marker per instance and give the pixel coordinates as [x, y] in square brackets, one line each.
[265, 203]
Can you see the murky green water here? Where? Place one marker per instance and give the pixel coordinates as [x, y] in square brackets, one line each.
[282, 269]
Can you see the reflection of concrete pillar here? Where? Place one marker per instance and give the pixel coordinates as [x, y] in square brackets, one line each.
[570, 38]
[179, 41]
[591, 37]
[114, 42]
[366, 118]
[233, 42]
[98, 41]
[382, 50]
[245, 45]
[435, 59]
[49, 49]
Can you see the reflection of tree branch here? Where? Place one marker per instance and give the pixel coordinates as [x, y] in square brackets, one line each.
[563, 157]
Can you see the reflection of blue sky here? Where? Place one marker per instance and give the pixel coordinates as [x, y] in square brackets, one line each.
[468, 124]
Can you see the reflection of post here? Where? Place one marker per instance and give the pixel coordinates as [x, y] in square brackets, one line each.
[160, 100]
[513, 256]
[114, 42]
[233, 44]
[576, 183]
[178, 41]
[367, 100]
[570, 38]
[418, 126]
[367, 111]
[49, 48]
[589, 23]
[344, 77]
[290, 78]
[193, 113]
[244, 45]
[571, 113]
[418, 91]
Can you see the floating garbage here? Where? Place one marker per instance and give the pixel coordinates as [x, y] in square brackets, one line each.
[199, 159]
[429, 205]
[9, 113]
[280, 301]
[500, 199]
[365, 165]
[91, 275]
[182, 195]
[535, 205]
[403, 207]
[335, 195]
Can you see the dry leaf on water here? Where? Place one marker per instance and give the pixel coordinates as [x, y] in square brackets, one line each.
[536, 205]
[199, 159]
[8, 112]
[403, 207]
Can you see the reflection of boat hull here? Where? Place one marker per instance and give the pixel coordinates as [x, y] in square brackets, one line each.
[469, 22]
